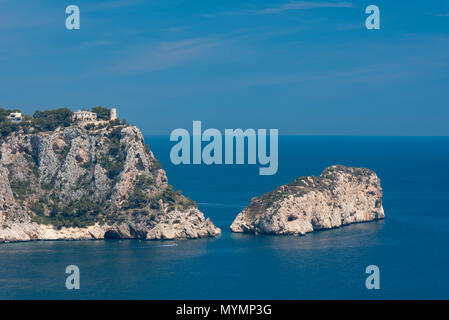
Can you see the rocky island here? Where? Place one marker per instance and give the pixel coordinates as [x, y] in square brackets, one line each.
[87, 175]
[339, 196]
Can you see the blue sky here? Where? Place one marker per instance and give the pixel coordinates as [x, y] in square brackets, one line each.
[304, 67]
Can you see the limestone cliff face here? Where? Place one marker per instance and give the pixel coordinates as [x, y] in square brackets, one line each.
[339, 196]
[78, 183]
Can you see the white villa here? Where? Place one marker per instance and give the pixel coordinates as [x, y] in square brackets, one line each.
[15, 117]
[83, 115]
[87, 116]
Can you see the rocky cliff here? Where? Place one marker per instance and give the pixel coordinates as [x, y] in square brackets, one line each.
[90, 182]
[339, 196]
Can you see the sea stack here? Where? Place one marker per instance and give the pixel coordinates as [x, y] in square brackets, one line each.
[339, 196]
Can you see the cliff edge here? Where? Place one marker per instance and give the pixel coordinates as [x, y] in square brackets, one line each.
[90, 182]
[339, 196]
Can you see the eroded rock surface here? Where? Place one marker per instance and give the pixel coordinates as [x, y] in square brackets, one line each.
[79, 183]
[339, 196]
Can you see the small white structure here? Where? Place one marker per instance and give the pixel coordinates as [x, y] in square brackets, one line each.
[113, 114]
[15, 117]
[82, 115]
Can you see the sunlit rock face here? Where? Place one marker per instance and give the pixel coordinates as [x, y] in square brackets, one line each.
[339, 196]
[86, 183]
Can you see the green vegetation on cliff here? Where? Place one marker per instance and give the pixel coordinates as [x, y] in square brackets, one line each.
[49, 120]
[76, 177]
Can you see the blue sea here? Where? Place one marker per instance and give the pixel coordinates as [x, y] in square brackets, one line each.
[410, 246]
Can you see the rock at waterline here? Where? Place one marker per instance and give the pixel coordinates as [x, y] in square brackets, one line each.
[339, 196]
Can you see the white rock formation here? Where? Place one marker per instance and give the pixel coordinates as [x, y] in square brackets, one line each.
[339, 196]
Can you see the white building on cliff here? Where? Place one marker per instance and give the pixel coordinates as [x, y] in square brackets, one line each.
[82, 115]
[15, 117]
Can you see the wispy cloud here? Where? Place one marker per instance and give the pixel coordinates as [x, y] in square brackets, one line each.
[303, 5]
[438, 14]
[179, 29]
[96, 44]
[114, 4]
[163, 56]
[17, 18]
[295, 5]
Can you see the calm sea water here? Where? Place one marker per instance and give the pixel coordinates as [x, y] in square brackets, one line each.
[410, 246]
